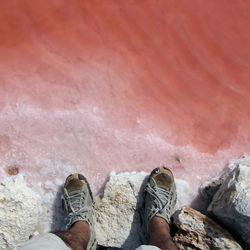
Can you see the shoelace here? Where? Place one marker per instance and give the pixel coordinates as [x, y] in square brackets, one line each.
[74, 203]
[72, 216]
[160, 195]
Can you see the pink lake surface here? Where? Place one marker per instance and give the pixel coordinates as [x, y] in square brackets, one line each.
[101, 86]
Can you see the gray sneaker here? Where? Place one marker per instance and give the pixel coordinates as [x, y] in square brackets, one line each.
[159, 196]
[77, 202]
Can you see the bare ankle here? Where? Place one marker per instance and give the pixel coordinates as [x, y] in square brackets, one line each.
[159, 234]
[160, 223]
[77, 237]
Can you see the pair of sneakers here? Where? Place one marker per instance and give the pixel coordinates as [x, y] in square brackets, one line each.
[159, 200]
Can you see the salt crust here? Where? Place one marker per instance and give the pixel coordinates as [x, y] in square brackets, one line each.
[19, 212]
[20, 206]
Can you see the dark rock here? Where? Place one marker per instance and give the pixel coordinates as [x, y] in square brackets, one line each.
[197, 231]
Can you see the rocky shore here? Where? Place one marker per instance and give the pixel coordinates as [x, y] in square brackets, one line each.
[224, 225]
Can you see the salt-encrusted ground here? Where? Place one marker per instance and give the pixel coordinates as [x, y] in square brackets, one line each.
[30, 212]
[24, 212]
[20, 212]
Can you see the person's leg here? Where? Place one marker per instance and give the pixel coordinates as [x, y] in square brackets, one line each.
[77, 237]
[77, 203]
[159, 202]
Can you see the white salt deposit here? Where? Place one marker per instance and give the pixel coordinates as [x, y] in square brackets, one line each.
[22, 211]
[19, 212]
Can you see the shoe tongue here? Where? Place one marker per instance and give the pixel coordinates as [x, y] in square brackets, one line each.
[163, 180]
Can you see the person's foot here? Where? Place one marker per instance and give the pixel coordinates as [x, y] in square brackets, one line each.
[159, 196]
[77, 203]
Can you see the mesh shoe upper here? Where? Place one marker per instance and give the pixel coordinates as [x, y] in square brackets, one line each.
[77, 203]
[160, 195]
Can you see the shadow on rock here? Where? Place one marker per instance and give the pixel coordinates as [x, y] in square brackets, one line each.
[58, 214]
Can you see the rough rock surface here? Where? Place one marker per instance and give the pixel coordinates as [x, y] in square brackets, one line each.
[197, 231]
[210, 187]
[231, 203]
[19, 212]
[116, 214]
[117, 219]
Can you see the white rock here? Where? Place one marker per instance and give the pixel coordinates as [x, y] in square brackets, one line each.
[19, 212]
[116, 221]
[231, 203]
[210, 187]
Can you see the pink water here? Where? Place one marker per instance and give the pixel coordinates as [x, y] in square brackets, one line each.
[96, 86]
